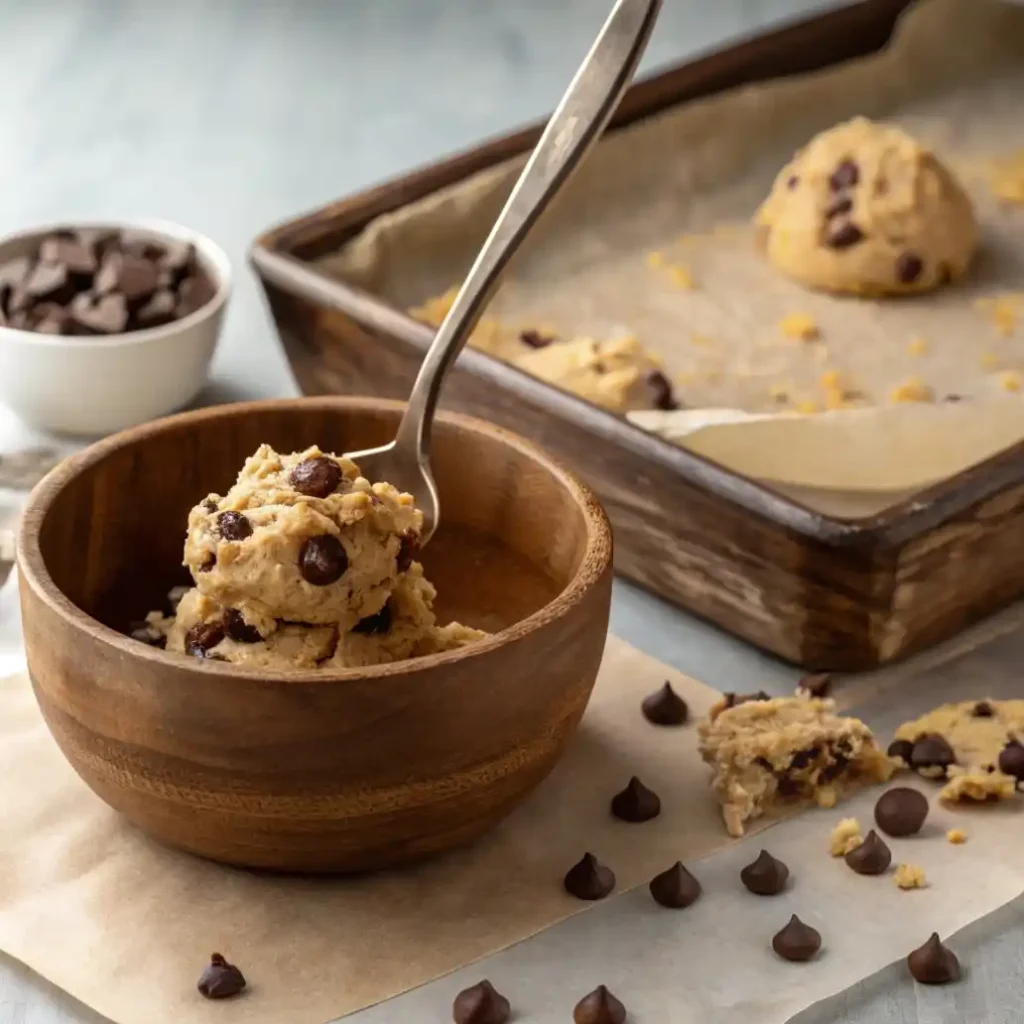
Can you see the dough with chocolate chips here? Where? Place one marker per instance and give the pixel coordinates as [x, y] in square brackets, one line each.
[865, 209]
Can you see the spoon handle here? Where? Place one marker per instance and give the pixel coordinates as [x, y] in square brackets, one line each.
[574, 127]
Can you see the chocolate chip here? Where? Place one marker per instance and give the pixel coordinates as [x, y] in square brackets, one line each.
[792, 181]
[636, 802]
[238, 629]
[157, 311]
[843, 236]
[599, 1007]
[194, 293]
[210, 505]
[49, 281]
[322, 560]
[944, 274]
[901, 811]
[202, 638]
[933, 963]
[481, 1004]
[133, 277]
[818, 685]
[105, 315]
[375, 625]
[797, 941]
[844, 204]
[839, 763]
[178, 258]
[408, 550]
[872, 857]
[665, 707]
[675, 888]
[902, 749]
[220, 980]
[908, 267]
[1011, 760]
[234, 526]
[589, 879]
[931, 752]
[67, 250]
[174, 596]
[147, 634]
[983, 709]
[734, 700]
[846, 175]
[802, 758]
[535, 339]
[663, 399]
[766, 876]
[316, 477]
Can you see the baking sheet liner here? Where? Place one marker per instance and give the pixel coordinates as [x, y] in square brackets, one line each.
[684, 184]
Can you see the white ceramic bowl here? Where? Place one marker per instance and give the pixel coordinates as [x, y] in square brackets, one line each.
[89, 386]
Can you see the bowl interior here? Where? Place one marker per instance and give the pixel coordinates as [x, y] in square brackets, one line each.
[513, 533]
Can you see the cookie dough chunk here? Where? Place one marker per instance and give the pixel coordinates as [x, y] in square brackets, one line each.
[771, 752]
[865, 209]
[303, 538]
[971, 745]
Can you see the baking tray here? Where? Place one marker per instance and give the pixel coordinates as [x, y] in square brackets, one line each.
[818, 590]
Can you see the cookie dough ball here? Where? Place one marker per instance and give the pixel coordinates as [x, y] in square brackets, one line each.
[865, 209]
[302, 538]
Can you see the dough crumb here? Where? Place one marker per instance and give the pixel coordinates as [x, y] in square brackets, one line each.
[1009, 380]
[656, 260]
[1003, 311]
[681, 277]
[846, 836]
[1007, 179]
[912, 390]
[800, 327]
[917, 347]
[910, 876]
[988, 360]
[957, 836]
[807, 407]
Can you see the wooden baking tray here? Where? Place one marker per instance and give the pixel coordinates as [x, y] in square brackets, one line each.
[823, 592]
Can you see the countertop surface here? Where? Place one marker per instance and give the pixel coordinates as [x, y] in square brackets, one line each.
[232, 115]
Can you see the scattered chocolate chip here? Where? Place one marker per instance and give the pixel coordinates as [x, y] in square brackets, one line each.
[147, 634]
[664, 399]
[901, 811]
[797, 941]
[908, 267]
[408, 550]
[219, 979]
[234, 526]
[1011, 760]
[636, 802]
[844, 204]
[535, 339]
[174, 596]
[931, 752]
[238, 629]
[599, 1007]
[316, 477]
[872, 857]
[481, 1004]
[665, 707]
[322, 560]
[983, 710]
[766, 876]
[933, 963]
[901, 749]
[843, 236]
[589, 879]
[846, 175]
[202, 638]
[675, 888]
[817, 685]
[374, 625]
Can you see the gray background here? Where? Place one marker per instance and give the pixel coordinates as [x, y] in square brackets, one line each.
[231, 115]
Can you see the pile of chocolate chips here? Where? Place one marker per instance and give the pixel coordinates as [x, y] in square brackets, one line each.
[94, 282]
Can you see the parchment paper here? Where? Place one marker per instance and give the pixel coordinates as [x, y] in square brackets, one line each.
[684, 184]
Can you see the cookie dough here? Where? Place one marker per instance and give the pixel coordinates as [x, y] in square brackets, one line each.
[865, 209]
[974, 745]
[768, 752]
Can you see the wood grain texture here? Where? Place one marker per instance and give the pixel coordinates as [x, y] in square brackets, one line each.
[824, 593]
[343, 771]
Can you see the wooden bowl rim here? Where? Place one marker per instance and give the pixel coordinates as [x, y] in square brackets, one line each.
[34, 574]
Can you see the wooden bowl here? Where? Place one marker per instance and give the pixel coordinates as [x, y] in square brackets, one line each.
[343, 771]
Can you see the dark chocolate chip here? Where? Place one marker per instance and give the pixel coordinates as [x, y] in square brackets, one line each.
[322, 560]
[316, 477]
[933, 963]
[983, 709]
[665, 707]
[220, 980]
[107, 314]
[79, 259]
[903, 749]
[792, 181]
[374, 625]
[1011, 760]
[202, 638]
[908, 267]
[636, 802]
[844, 204]
[589, 879]
[535, 339]
[802, 758]
[843, 236]
[12, 277]
[797, 941]
[133, 277]
[663, 399]
[766, 876]
[846, 175]
[179, 258]
[234, 526]
[675, 888]
[817, 685]
[50, 281]
[734, 700]
[931, 751]
[210, 505]
[599, 1007]
[149, 635]
[174, 596]
[872, 857]
[839, 765]
[408, 550]
[156, 311]
[901, 811]
[194, 293]
[238, 629]
[481, 1004]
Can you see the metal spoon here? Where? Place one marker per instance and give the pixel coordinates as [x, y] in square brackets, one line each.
[574, 127]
